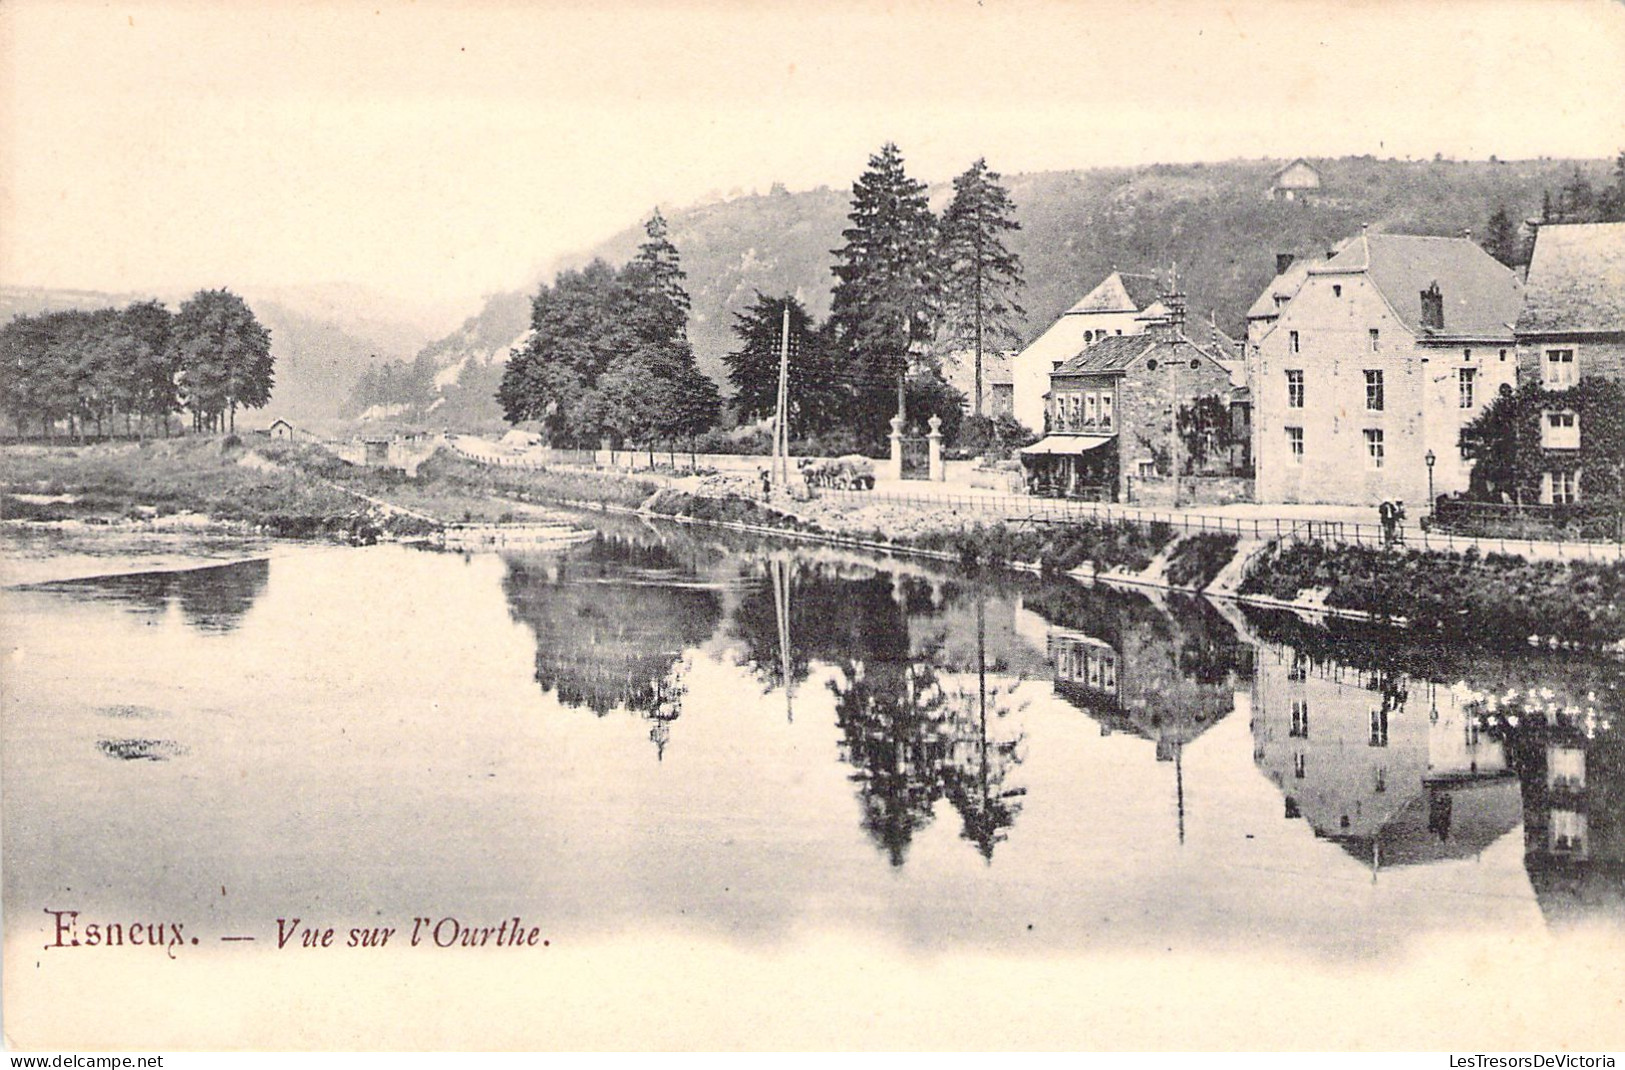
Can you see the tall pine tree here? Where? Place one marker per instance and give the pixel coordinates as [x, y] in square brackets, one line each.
[1501, 238]
[887, 297]
[981, 277]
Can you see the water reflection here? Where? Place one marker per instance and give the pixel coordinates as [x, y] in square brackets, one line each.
[214, 598]
[841, 738]
[615, 620]
[1408, 753]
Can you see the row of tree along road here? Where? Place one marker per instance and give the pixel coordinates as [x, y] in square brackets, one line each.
[137, 366]
[608, 355]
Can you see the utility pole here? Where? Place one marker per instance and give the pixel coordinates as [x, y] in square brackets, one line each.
[781, 419]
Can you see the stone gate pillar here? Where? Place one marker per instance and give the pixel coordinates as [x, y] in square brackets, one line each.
[894, 466]
[936, 471]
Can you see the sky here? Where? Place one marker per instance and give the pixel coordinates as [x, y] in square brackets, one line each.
[435, 151]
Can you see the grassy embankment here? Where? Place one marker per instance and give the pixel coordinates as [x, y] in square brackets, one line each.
[1495, 598]
[279, 489]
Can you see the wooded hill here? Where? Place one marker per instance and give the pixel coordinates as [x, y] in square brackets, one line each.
[1215, 221]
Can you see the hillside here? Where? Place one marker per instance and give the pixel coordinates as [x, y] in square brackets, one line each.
[1213, 220]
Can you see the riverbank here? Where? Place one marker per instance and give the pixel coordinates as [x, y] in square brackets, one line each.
[300, 491]
[1495, 599]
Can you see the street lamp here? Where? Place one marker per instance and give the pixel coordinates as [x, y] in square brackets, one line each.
[1433, 503]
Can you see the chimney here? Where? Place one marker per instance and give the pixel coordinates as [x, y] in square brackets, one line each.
[1432, 308]
[1282, 262]
[1467, 232]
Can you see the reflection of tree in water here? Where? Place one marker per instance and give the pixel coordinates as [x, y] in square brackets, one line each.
[912, 732]
[212, 599]
[613, 619]
[977, 779]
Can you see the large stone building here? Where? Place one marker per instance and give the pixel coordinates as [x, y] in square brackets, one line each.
[1123, 304]
[1374, 365]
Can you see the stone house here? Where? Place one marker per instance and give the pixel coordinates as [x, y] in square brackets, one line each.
[1297, 181]
[1110, 426]
[1375, 364]
[959, 371]
[1572, 327]
[1123, 304]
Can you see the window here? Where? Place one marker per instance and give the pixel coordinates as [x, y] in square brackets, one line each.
[1560, 488]
[1293, 336]
[1337, 291]
[1091, 402]
[1375, 336]
[1560, 431]
[1466, 354]
[1503, 356]
[1300, 718]
[1373, 391]
[1294, 445]
[1559, 369]
[1373, 447]
[1465, 380]
[1105, 410]
[1294, 390]
[1298, 768]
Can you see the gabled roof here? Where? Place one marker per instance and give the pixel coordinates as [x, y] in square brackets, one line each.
[1482, 297]
[1299, 162]
[1114, 355]
[1121, 291]
[1576, 280]
[1286, 285]
[1109, 354]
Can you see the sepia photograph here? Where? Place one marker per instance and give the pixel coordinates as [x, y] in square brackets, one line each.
[1004, 525]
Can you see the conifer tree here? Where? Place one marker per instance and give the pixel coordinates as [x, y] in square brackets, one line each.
[981, 276]
[886, 300]
[1501, 238]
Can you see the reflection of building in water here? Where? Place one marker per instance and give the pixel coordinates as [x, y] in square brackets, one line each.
[1569, 753]
[1166, 674]
[613, 620]
[1396, 770]
[1136, 667]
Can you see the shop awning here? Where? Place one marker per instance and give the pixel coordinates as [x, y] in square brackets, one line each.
[1066, 445]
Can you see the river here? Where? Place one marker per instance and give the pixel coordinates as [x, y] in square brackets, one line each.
[678, 734]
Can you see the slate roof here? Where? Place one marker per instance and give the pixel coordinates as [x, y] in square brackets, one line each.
[1286, 285]
[1113, 355]
[1576, 280]
[1109, 354]
[1482, 297]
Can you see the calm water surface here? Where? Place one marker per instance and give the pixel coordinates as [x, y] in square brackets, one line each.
[672, 730]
